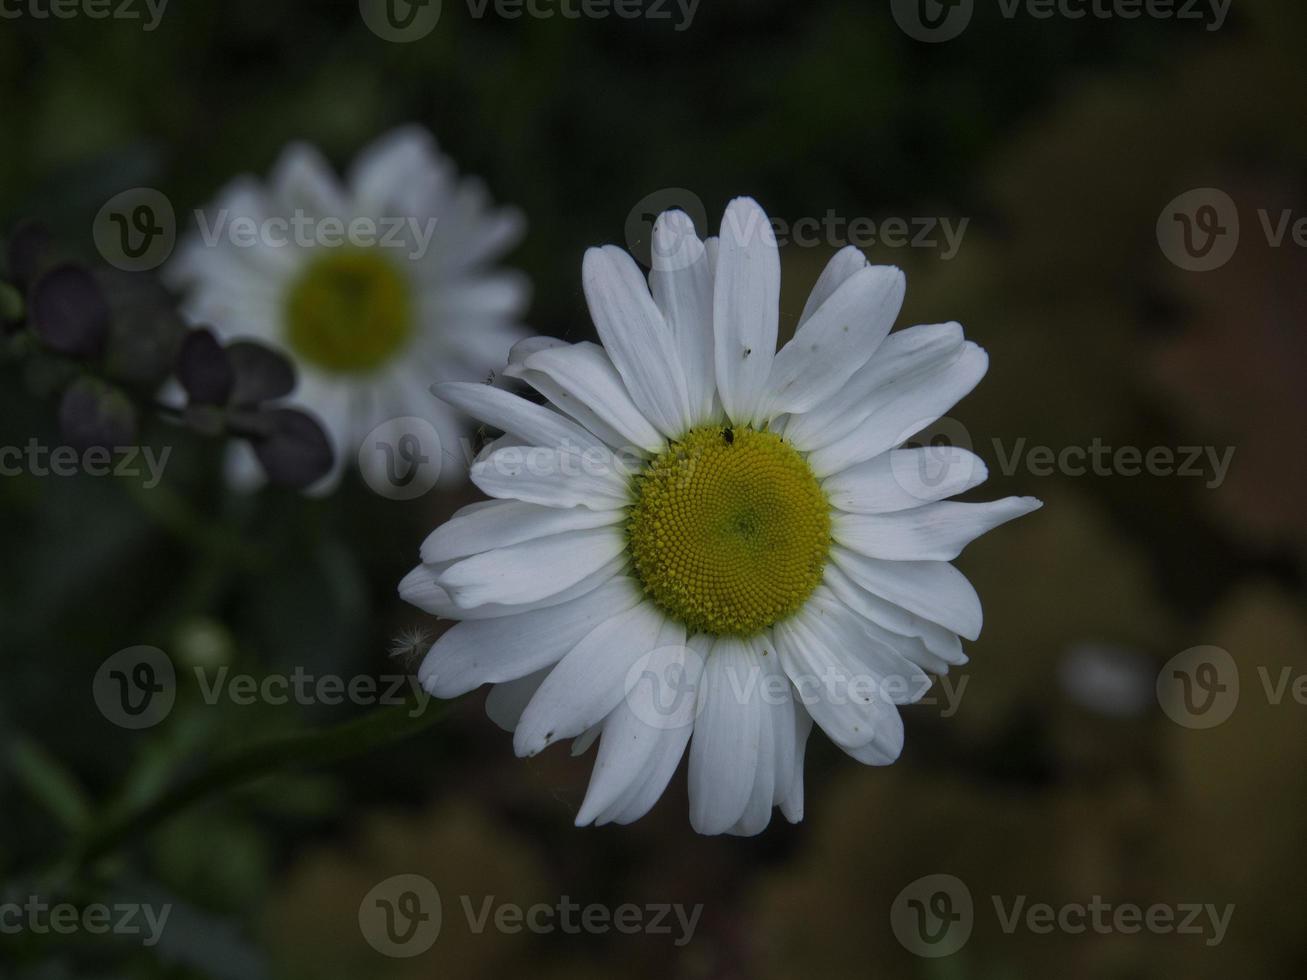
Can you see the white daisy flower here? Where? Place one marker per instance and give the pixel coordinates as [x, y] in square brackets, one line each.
[373, 285]
[702, 541]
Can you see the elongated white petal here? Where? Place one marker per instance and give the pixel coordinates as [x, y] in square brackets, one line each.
[553, 477]
[746, 309]
[905, 478]
[642, 730]
[902, 355]
[776, 756]
[942, 644]
[582, 743]
[508, 522]
[302, 180]
[420, 588]
[791, 803]
[402, 158]
[905, 406]
[682, 285]
[841, 266]
[557, 395]
[583, 382]
[506, 702]
[484, 651]
[533, 424]
[885, 748]
[932, 532]
[836, 340]
[636, 338]
[532, 570]
[934, 590]
[589, 681]
[725, 748]
[643, 794]
[820, 651]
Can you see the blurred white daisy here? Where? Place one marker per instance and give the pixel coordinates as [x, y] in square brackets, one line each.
[374, 285]
[702, 541]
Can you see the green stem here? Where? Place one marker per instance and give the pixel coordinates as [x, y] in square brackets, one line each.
[257, 761]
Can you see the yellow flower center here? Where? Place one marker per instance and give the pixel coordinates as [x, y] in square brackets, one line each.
[730, 530]
[350, 311]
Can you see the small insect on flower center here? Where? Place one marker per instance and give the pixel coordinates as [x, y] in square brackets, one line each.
[350, 311]
[730, 530]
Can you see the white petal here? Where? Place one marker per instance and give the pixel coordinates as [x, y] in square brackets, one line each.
[403, 159]
[527, 346]
[636, 337]
[442, 605]
[682, 285]
[905, 478]
[534, 424]
[934, 590]
[643, 794]
[725, 748]
[508, 522]
[776, 757]
[904, 354]
[553, 477]
[941, 644]
[532, 570]
[746, 309]
[589, 682]
[503, 649]
[887, 746]
[633, 748]
[303, 181]
[836, 340]
[582, 381]
[419, 588]
[903, 407]
[581, 744]
[932, 532]
[791, 803]
[506, 702]
[820, 653]
[841, 266]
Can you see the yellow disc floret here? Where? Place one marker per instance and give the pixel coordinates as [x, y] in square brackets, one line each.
[730, 530]
[349, 311]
